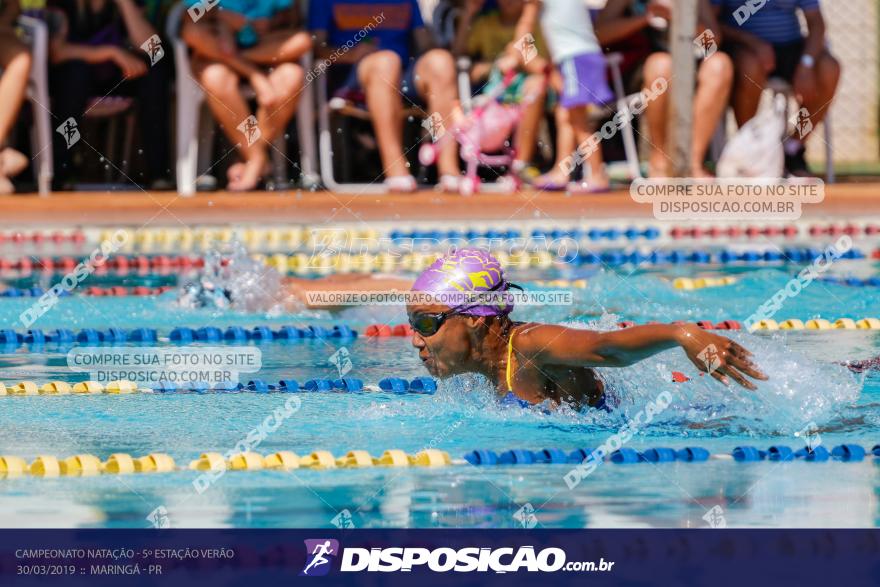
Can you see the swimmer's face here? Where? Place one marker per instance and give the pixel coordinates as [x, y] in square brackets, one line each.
[447, 350]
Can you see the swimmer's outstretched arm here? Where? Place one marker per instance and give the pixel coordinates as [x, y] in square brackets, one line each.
[558, 345]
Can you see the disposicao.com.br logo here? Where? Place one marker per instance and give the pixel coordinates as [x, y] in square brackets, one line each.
[443, 560]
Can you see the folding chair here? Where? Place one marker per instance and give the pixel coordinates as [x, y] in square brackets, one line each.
[194, 123]
[38, 94]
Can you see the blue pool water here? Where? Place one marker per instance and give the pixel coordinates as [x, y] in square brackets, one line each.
[805, 386]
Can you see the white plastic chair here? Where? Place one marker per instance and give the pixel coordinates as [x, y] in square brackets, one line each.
[38, 94]
[194, 123]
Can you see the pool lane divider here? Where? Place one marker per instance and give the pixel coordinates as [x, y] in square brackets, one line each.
[307, 264]
[238, 334]
[395, 385]
[94, 291]
[181, 335]
[84, 465]
[296, 235]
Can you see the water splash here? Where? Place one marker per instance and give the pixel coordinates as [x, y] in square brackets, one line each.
[232, 280]
[800, 390]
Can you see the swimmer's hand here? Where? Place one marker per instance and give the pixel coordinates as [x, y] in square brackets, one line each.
[719, 356]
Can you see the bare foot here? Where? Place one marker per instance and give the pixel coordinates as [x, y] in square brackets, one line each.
[658, 166]
[598, 182]
[266, 95]
[235, 172]
[553, 180]
[699, 172]
[12, 162]
[6, 186]
[251, 173]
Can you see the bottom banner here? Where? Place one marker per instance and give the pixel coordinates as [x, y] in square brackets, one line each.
[438, 557]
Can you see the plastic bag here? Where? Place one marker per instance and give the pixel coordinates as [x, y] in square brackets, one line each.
[756, 149]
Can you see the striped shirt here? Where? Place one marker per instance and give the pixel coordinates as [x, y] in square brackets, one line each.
[774, 21]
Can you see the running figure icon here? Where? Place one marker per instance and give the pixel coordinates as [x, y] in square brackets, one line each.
[319, 552]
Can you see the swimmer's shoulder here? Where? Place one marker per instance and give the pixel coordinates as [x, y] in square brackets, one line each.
[534, 339]
[526, 336]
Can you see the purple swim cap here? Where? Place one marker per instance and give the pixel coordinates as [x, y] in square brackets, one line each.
[466, 271]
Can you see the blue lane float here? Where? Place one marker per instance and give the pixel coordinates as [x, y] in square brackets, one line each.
[394, 385]
[579, 455]
[692, 454]
[659, 455]
[516, 457]
[816, 453]
[425, 385]
[553, 456]
[780, 453]
[481, 457]
[848, 452]
[748, 454]
[318, 385]
[625, 456]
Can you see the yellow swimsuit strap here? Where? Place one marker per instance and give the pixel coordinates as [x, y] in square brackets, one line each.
[510, 359]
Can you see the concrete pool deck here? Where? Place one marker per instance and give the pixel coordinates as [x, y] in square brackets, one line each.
[852, 200]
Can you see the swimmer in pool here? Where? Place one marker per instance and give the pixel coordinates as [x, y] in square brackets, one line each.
[533, 361]
[537, 362]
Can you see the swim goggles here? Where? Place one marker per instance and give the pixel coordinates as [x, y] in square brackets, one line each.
[427, 324]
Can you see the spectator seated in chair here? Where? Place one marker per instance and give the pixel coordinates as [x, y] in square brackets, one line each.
[767, 43]
[622, 20]
[370, 47]
[97, 49]
[257, 42]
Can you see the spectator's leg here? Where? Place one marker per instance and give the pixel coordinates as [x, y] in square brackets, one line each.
[597, 179]
[657, 114]
[153, 101]
[231, 110]
[534, 97]
[557, 177]
[379, 74]
[206, 42]
[70, 85]
[750, 78]
[279, 47]
[436, 83]
[827, 78]
[15, 64]
[287, 80]
[714, 80]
